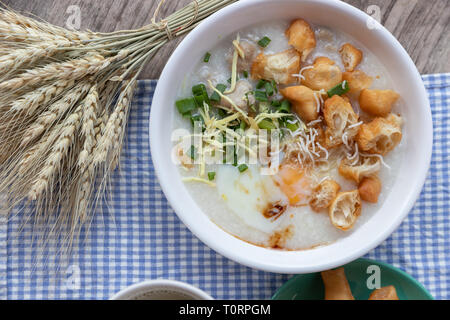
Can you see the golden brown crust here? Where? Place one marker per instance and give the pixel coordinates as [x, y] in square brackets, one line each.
[350, 56]
[357, 80]
[301, 37]
[385, 293]
[279, 66]
[377, 102]
[325, 74]
[379, 136]
[345, 209]
[336, 285]
[338, 116]
[303, 101]
[395, 119]
[370, 189]
[324, 194]
[365, 167]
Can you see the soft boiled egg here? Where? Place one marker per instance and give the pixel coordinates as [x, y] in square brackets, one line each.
[260, 200]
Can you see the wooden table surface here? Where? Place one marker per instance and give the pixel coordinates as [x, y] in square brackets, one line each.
[422, 26]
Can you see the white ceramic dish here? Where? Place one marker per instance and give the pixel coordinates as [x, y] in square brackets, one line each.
[161, 290]
[404, 75]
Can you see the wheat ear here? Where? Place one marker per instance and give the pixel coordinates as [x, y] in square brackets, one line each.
[74, 70]
[55, 112]
[115, 123]
[88, 127]
[28, 23]
[17, 34]
[40, 97]
[59, 150]
[20, 58]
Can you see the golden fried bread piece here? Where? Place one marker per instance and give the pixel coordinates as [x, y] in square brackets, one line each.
[365, 167]
[377, 102]
[350, 56]
[324, 194]
[339, 116]
[279, 66]
[336, 285]
[324, 74]
[385, 293]
[303, 101]
[345, 209]
[357, 80]
[301, 37]
[370, 189]
[395, 119]
[379, 136]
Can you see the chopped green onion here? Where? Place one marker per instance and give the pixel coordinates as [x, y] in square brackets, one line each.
[242, 125]
[211, 176]
[196, 118]
[215, 96]
[276, 103]
[274, 85]
[198, 89]
[261, 96]
[185, 106]
[269, 88]
[245, 73]
[264, 42]
[292, 126]
[235, 161]
[285, 107]
[200, 94]
[266, 124]
[260, 84]
[340, 89]
[222, 113]
[242, 168]
[207, 56]
[192, 152]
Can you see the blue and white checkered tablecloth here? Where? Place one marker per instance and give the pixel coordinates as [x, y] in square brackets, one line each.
[139, 237]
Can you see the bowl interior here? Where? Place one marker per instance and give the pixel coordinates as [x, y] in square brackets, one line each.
[417, 129]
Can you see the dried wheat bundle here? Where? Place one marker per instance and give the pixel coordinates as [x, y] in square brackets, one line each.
[64, 102]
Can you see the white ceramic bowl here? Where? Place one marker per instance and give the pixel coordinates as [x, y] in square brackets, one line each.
[418, 130]
[161, 290]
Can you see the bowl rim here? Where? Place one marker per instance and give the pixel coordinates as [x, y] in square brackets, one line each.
[369, 261]
[233, 254]
[142, 287]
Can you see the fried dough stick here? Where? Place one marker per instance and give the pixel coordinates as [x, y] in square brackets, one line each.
[336, 285]
[385, 293]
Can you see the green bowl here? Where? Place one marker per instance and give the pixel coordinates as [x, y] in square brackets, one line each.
[310, 286]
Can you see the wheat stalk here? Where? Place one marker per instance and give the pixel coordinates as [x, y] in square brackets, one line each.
[73, 70]
[115, 121]
[55, 112]
[29, 23]
[28, 56]
[88, 128]
[59, 151]
[40, 97]
[65, 97]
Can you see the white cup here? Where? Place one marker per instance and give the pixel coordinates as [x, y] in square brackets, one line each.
[161, 290]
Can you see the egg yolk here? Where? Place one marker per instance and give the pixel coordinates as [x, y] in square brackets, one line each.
[293, 183]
